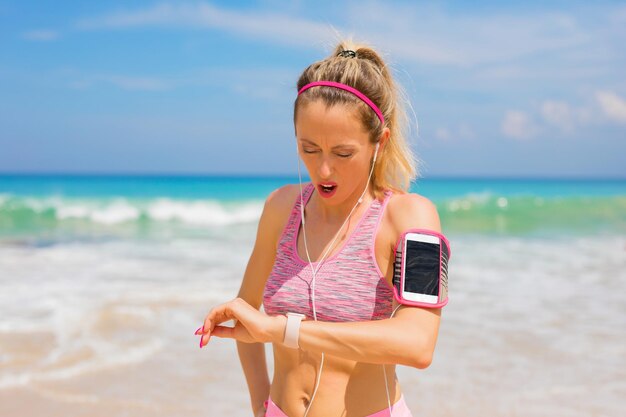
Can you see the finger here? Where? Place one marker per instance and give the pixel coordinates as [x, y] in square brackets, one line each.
[206, 324]
[216, 316]
[224, 332]
[203, 342]
[219, 331]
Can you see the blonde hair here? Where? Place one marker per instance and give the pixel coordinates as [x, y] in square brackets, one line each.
[396, 166]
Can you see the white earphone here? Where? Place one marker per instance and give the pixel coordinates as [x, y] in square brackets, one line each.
[360, 200]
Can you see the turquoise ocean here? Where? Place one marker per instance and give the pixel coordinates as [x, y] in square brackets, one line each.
[105, 278]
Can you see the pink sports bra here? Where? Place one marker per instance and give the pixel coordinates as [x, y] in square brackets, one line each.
[349, 285]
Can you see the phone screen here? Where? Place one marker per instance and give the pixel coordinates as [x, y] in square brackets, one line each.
[421, 274]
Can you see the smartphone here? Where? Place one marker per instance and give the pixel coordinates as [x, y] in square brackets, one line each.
[422, 268]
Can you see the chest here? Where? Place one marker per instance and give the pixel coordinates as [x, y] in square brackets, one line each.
[352, 284]
[368, 236]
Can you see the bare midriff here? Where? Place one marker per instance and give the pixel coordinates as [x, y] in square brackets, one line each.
[348, 388]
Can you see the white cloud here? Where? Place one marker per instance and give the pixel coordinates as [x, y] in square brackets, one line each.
[41, 35]
[559, 114]
[430, 34]
[466, 132]
[463, 131]
[497, 44]
[518, 125]
[442, 133]
[596, 110]
[278, 28]
[612, 105]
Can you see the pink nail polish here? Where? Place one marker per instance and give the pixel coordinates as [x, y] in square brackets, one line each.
[200, 343]
[198, 330]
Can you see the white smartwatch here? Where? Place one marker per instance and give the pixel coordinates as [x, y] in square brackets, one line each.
[292, 329]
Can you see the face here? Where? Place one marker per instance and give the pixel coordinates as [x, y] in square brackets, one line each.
[336, 150]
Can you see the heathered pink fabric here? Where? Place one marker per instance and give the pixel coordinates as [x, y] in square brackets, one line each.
[349, 285]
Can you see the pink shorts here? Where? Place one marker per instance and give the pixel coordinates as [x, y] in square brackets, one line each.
[399, 409]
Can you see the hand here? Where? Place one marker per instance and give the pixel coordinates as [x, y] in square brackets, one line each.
[251, 325]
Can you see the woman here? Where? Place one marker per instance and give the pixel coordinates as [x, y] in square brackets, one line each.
[349, 130]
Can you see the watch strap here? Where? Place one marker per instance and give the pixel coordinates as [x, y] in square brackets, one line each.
[292, 329]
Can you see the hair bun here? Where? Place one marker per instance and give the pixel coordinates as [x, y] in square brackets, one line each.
[347, 53]
[369, 54]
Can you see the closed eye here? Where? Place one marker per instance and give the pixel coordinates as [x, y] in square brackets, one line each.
[341, 155]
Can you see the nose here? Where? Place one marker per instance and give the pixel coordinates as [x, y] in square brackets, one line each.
[324, 169]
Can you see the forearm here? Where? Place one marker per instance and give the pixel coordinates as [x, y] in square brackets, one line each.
[386, 341]
[254, 364]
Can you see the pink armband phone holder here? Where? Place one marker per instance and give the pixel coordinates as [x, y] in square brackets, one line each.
[399, 271]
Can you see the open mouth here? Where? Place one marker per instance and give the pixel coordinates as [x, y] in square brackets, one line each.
[327, 189]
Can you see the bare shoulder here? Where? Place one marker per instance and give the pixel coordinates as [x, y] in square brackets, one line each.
[409, 210]
[281, 200]
[277, 208]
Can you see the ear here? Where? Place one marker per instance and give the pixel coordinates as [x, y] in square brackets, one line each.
[384, 137]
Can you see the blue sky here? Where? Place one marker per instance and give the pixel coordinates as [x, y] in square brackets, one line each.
[497, 89]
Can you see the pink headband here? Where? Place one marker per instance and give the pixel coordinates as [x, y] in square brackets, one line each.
[350, 89]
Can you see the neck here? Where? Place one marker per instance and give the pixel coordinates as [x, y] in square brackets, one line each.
[336, 214]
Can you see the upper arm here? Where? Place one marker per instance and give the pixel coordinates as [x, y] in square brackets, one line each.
[272, 221]
[413, 211]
